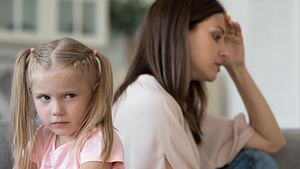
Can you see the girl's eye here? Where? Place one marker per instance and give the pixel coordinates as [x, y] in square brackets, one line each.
[44, 98]
[70, 96]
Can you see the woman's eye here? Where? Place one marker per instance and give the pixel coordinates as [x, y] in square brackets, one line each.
[216, 37]
[44, 98]
[70, 96]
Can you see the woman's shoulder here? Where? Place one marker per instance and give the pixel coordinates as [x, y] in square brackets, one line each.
[145, 87]
[146, 81]
[145, 99]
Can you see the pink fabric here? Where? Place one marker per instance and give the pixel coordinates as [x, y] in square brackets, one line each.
[65, 157]
[222, 139]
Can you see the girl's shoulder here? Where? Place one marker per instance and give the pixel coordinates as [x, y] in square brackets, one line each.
[43, 133]
[96, 137]
[43, 138]
[92, 147]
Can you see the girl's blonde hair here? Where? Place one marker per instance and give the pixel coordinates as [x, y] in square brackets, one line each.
[64, 52]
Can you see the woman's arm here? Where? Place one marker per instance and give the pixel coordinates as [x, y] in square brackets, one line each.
[268, 136]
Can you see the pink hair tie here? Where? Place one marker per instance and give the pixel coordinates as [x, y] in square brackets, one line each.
[97, 59]
[32, 49]
[94, 52]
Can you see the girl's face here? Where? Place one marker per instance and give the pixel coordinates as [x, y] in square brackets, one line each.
[207, 48]
[61, 98]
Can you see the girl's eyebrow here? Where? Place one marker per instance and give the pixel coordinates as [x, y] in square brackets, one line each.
[38, 92]
[62, 92]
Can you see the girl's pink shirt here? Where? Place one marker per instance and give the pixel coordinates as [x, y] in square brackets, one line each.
[46, 156]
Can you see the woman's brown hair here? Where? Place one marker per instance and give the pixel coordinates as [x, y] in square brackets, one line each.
[163, 52]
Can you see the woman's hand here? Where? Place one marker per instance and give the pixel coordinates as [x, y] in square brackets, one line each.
[234, 44]
[267, 134]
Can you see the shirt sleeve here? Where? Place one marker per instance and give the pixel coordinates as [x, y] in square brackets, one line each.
[223, 138]
[151, 127]
[92, 148]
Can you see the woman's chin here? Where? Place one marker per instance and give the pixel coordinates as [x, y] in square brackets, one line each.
[206, 78]
[211, 78]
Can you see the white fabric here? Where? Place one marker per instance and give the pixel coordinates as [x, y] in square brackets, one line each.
[152, 128]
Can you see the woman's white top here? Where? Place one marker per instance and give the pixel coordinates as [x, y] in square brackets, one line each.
[153, 129]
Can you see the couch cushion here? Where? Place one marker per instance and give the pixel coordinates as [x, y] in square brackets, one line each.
[5, 154]
[288, 157]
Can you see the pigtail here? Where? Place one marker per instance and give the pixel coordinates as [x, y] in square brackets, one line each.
[20, 113]
[100, 112]
[105, 94]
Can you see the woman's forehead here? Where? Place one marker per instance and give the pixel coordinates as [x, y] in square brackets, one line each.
[216, 20]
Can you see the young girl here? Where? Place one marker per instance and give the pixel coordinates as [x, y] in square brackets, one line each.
[71, 88]
[160, 108]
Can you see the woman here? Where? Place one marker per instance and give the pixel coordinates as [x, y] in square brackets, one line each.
[160, 108]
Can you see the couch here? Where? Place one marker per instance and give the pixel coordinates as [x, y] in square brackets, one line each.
[287, 158]
[5, 159]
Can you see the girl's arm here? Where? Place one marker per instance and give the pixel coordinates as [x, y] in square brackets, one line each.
[95, 165]
[268, 136]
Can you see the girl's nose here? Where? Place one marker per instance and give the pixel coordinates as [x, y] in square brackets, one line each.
[57, 109]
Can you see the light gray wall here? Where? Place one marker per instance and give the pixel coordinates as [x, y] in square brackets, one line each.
[271, 33]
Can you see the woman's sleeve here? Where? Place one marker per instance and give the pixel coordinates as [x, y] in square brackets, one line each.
[152, 130]
[223, 138]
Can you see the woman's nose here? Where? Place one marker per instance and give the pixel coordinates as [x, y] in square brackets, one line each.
[223, 51]
[57, 109]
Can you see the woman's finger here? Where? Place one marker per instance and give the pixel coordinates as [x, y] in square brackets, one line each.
[233, 27]
[238, 29]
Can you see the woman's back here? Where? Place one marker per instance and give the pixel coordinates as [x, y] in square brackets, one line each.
[154, 131]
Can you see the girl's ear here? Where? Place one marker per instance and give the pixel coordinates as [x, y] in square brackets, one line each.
[95, 86]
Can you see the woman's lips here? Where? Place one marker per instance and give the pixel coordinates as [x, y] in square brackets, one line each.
[219, 67]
